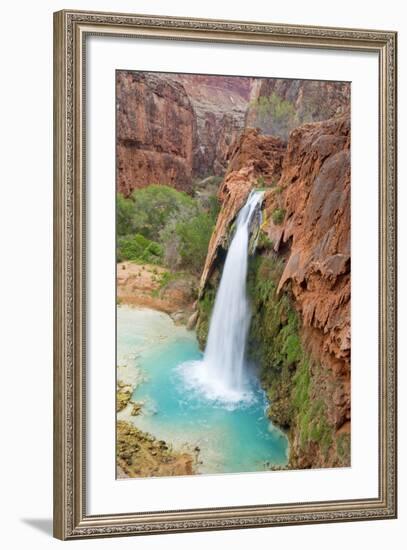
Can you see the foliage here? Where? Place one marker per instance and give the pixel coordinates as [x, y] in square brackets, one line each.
[155, 206]
[124, 221]
[176, 227]
[213, 207]
[278, 116]
[275, 115]
[260, 181]
[278, 216]
[163, 279]
[312, 418]
[194, 236]
[137, 248]
[264, 243]
[273, 341]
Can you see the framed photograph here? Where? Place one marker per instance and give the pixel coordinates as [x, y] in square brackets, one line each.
[225, 274]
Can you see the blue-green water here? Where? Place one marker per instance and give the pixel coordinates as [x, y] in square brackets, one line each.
[236, 438]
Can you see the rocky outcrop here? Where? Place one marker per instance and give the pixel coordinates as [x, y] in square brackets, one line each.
[156, 132]
[139, 454]
[220, 104]
[263, 154]
[294, 102]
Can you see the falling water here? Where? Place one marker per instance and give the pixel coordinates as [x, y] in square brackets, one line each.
[221, 373]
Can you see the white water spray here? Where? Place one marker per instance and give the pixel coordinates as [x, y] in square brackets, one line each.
[221, 374]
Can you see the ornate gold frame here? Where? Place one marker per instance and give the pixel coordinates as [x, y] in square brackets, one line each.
[70, 518]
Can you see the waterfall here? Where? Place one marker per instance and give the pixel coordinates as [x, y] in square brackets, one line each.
[221, 374]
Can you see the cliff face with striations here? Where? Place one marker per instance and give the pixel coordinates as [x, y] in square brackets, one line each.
[172, 129]
[220, 104]
[156, 132]
[299, 281]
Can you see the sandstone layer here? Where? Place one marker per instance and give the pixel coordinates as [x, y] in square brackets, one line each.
[316, 183]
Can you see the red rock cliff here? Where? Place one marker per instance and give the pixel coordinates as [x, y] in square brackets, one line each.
[156, 132]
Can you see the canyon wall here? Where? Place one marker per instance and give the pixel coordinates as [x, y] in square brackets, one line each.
[155, 132]
[298, 281]
[220, 104]
[174, 129]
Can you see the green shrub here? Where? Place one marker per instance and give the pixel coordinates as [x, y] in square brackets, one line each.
[156, 206]
[275, 115]
[150, 209]
[176, 228]
[194, 236]
[278, 216]
[124, 221]
[137, 248]
[264, 243]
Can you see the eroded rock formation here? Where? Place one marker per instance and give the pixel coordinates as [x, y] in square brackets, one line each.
[316, 183]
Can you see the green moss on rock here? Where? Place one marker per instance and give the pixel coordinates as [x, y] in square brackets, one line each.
[205, 306]
[285, 367]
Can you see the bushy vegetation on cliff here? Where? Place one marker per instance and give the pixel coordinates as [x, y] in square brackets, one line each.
[158, 224]
[278, 116]
[275, 115]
